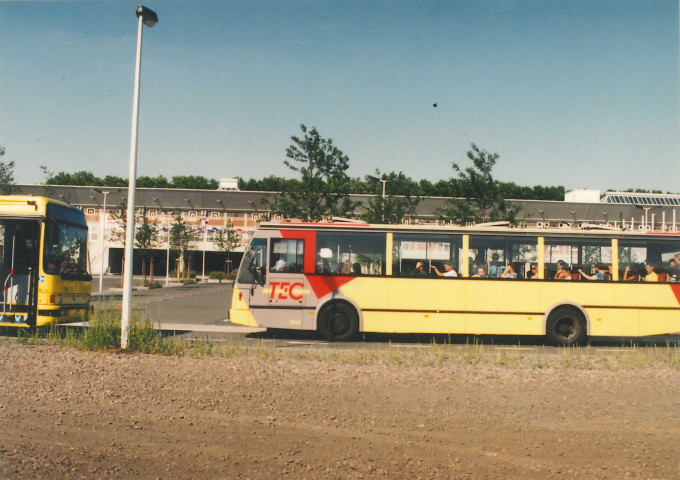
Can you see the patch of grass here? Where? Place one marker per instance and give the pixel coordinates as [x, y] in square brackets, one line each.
[103, 335]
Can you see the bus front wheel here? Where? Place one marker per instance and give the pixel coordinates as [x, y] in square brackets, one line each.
[338, 322]
[566, 327]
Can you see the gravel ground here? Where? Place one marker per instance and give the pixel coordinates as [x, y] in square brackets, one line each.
[71, 414]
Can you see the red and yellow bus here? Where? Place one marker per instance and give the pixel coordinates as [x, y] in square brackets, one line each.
[341, 279]
[43, 255]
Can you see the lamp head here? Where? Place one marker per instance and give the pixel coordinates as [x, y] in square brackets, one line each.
[149, 17]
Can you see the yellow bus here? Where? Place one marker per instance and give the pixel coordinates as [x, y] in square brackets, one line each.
[44, 268]
[341, 279]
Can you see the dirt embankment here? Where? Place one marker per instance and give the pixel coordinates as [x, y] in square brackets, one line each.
[69, 414]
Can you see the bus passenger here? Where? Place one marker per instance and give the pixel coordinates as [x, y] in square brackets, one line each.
[510, 271]
[356, 268]
[598, 273]
[673, 271]
[346, 267]
[532, 274]
[651, 274]
[280, 265]
[628, 275]
[481, 273]
[495, 267]
[448, 270]
[563, 272]
[419, 271]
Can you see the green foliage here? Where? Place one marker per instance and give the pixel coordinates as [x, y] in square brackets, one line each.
[182, 240]
[7, 185]
[194, 182]
[227, 240]
[217, 275]
[103, 335]
[392, 209]
[324, 187]
[147, 239]
[153, 182]
[86, 178]
[269, 184]
[78, 178]
[113, 181]
[482, 198]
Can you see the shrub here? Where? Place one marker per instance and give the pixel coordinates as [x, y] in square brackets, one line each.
[217, 275]
[103, 334]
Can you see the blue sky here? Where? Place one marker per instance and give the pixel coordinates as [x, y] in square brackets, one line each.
[576, 93]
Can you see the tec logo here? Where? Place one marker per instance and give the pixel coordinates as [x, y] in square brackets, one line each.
[286, 290]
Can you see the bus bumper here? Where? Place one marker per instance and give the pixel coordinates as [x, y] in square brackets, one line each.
[242, 317]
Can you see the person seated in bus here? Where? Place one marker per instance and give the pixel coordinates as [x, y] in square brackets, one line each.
[481, 273]
[496, 267]
[356, 268]
[419, 270]
[532, 274]
[651, 276]
[563, 272]
[628, 275]
[346, 268]
[448, 270]
[673, 270]
[511, 271]
[279, 265]
[598, 273]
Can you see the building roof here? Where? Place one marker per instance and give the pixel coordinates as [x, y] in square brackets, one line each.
[169, 199]
[633, 198]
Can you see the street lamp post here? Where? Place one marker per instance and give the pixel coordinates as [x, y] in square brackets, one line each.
[149, 18]
[205, 241]
[103, 234]
[371, 178]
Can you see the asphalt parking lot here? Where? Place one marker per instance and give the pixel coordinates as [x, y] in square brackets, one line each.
[192, 304]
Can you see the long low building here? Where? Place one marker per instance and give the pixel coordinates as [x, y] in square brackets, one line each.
[208, 212]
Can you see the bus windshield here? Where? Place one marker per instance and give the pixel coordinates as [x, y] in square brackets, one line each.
[254, 264]
[65, 250]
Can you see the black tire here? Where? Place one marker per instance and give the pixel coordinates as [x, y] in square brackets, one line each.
[338, 322]
[566, 327]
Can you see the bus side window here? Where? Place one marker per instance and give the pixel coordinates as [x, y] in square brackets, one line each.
[287, 255]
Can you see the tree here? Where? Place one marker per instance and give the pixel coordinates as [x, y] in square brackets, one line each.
[323, 189]
[182, 239]
[482, 198]
[268, 184]
[227, 241]
[391, 208]
[82, 177]
[194, 182]
[152, 182]
[114, 181]
[118, 234]
[7, 185]
[146, 238]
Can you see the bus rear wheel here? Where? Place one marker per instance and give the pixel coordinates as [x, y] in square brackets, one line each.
[338, 322]
[566, 327]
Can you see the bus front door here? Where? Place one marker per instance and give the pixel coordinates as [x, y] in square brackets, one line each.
[279, 302]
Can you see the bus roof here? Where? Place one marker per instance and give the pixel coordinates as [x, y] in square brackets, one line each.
[586, 230]
[34, 206]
